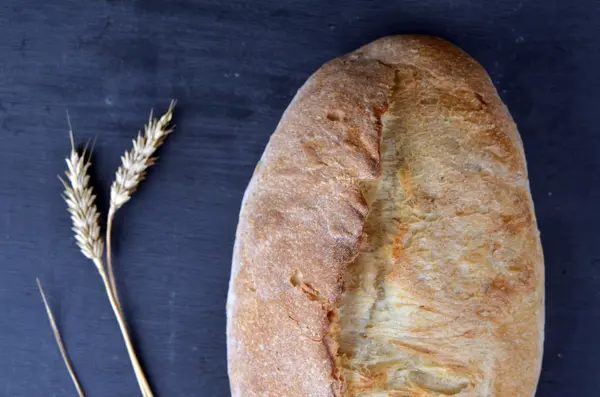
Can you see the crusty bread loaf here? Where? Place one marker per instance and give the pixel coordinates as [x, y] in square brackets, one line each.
[387, 244]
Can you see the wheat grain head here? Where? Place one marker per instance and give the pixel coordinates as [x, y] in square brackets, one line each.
[80, 200]
[135, 162]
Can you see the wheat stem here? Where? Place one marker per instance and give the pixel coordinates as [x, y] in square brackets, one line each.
[59, 341]
[137, 368]
[109, 263]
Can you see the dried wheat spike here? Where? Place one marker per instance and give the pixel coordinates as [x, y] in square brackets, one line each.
[80, 198]
[136, 162]
[132, 171]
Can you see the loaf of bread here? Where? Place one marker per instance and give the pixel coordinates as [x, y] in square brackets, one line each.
[387, 242]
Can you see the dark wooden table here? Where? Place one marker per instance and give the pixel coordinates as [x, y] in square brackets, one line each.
[234, 66]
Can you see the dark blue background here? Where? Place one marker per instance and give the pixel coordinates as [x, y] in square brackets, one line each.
[234, 66]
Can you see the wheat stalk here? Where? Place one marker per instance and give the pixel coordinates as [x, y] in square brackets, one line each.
[134, 165]
[59, 342]
[80, 198]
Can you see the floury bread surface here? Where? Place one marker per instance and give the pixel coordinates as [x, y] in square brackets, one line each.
[387, 243]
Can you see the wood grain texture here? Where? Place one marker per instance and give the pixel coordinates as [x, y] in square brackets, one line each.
[235, 66]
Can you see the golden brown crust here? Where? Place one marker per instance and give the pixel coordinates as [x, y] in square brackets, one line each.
[300, 226]
[452, 156]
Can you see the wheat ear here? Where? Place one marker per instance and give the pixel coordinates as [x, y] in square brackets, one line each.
[80, 198]
[59, 342]
[134, 165]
